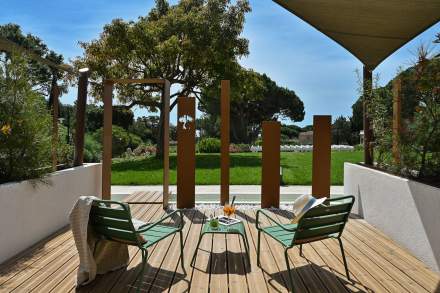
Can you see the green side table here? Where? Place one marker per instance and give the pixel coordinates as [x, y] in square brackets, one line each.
[237, 228]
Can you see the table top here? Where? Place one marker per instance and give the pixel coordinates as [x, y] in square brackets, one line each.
[237, 228]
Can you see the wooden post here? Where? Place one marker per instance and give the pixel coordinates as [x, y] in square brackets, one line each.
[55, 92]
[166, 142]
[397, 108]
[186, 152]
[321, 162]
[224, 135]
[107, 141]
[270, 180]
[80, 118]
[368, 132]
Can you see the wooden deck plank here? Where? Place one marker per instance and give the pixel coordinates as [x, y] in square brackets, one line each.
[376, 263]
[167, 268]
[182, 284]
[257, 279]
[201, 271]
[388, 249]
[393, 271]
[272, 263]
[358, 272]
[218, 268]
[237, 263]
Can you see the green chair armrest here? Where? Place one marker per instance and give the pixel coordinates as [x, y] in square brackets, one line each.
[261, 211]
[148, 226]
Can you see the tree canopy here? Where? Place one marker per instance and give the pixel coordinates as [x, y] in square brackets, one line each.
[190, 44]
[254, 98]
[40, 76]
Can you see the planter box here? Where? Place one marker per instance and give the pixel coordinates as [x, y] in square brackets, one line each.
[30, 213]
[405, 210]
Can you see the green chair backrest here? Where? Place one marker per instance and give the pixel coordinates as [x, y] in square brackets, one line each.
[325, 220]
[112, 219]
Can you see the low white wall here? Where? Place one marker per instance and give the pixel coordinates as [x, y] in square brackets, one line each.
[30, 213]
[405, 210]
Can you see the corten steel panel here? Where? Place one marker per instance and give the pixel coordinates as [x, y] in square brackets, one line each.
[166, 142]
[186, 152]
[397, 108]
[55, 92]
[107, 141]
[322, 129]
[270, 180]
[224, 129]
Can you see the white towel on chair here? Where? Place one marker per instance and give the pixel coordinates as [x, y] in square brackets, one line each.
[107, 256]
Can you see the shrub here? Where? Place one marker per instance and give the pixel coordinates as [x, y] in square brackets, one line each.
[64, 150]
[419, 140]
[239, 148]
[121, 140]
[209, 145]
[92, 149]
[25, 125]
[144, 149]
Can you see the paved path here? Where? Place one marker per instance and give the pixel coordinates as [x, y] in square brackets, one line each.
[215, 189]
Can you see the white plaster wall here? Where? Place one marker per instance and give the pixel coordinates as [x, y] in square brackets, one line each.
[30, 213]
[405, 210]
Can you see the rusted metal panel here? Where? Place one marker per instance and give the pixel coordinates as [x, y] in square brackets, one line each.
[186, 152]
[322, 139]
[224, 129]
[270, 180]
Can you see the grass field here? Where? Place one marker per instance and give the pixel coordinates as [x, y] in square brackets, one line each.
[245, 169]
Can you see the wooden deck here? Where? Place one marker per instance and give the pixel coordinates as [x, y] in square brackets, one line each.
[376, 263]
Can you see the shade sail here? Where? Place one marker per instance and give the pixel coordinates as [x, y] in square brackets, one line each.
[371, 30]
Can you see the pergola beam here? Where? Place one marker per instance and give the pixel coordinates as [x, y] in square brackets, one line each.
[107, 133]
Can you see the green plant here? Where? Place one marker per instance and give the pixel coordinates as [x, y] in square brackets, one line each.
[25, 125]
[419, 140]
[92, 149]
[121, 140]
[209, 145]
[64, 150]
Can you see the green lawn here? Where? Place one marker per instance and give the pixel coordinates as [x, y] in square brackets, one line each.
[245, 169]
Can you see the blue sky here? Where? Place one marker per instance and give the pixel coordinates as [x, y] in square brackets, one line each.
[290, 51]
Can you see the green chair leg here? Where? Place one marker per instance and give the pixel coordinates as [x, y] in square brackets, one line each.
[286, 256]
[258, 248]
[343, 257]
[301, 250]
[181, 252]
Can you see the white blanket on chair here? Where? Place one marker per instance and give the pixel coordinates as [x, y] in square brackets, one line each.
[95, 257]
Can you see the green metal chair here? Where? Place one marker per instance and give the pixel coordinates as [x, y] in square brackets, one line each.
[112, 221]
[322, 222]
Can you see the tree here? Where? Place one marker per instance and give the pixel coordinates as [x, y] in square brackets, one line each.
[290, 131]
[189, 44]
[121, 116]
[146, 128]
[341, 131]
[41, 77]
[25, 124]
[254, 99]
